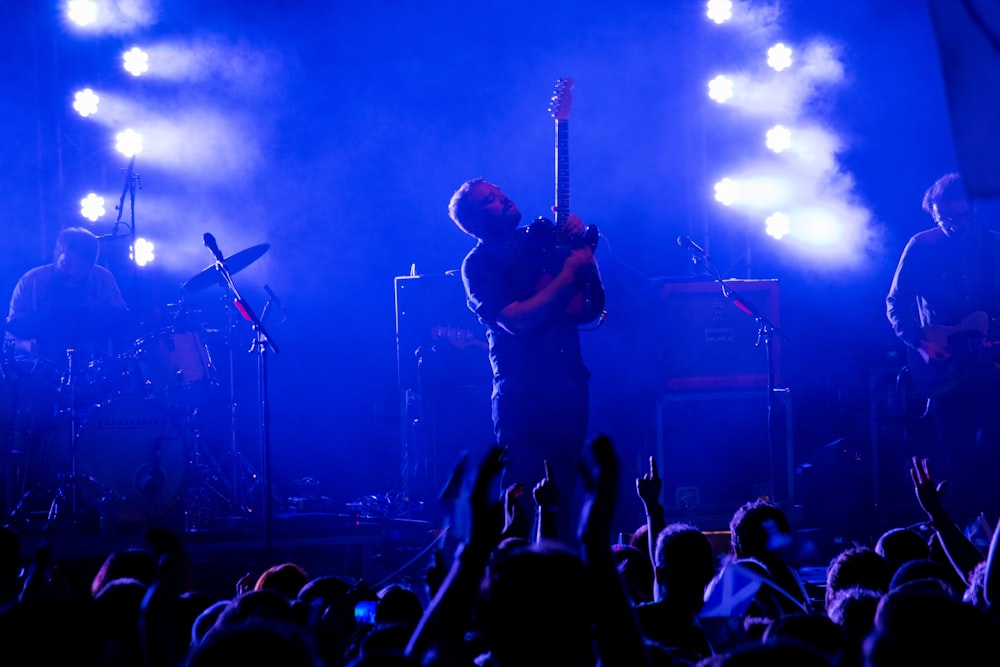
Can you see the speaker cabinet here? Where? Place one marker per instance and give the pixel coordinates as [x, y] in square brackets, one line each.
[444, 380]
[714, 452]
[711, 340]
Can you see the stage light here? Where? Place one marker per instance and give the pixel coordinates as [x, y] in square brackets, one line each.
[778, 225]
[142, 252]
[720, 88]
[726, 191]
[136, 61]
[85, 102]
[82, 12]
[779, 138]
[779, 57]
[720, 11]
[92, 207]
[128, 143]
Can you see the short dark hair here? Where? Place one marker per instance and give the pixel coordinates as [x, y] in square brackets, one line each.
[80, 242]
[459, 209]
[752, 525]
[949, 187]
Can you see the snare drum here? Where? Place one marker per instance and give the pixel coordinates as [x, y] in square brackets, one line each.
[175, 362]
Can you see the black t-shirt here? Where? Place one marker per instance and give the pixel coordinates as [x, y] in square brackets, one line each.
[497, 274]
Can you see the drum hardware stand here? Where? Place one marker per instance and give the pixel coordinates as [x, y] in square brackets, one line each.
[262, 342]
[59, 498]
[209, 486]
[242, 478]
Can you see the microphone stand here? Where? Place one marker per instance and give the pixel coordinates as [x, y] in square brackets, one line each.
[262, 342]
[131, 180]
[766, 331]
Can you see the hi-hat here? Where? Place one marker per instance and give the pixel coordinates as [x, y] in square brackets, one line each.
[71, 323]
[210, 275]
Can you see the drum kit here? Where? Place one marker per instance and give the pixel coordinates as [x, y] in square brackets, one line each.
[116, 435]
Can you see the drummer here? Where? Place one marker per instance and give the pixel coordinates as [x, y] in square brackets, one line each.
[72, 303]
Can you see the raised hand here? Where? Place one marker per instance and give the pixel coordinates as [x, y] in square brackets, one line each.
[927, 491]
[546, 493]
[649, 486]
[601, 481]
[484, 532]
[515, 522]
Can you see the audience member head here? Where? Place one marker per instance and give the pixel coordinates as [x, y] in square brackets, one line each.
[265, 605]
[538, 608]
[256, 642]
[853, 609]
[757, 529]
[813, 630]
[206, 620]
[639, 538]
[928, 570]
[127, 564]
[287, 578]
[859, 566]
[925, 625]
[636, 571]
[901, 545]
[397, 604]
[684, 564]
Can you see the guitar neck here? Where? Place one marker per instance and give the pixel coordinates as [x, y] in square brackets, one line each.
[562, 177]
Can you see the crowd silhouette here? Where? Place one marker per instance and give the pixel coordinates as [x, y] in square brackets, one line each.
[517, 592]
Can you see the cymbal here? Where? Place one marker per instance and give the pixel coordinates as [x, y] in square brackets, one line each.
[71, 323]
[210, 275]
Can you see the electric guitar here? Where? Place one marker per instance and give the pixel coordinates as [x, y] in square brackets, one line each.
[973, 350]
[549, 241]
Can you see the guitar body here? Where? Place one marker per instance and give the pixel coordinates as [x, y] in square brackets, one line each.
[547, 251]
[972, 354]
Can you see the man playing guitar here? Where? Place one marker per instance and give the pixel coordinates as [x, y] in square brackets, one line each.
[540, 383]
[943, 300]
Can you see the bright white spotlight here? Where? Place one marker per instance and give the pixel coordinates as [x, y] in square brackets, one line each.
[779, 138]
[92, 207]
[778, 225]
[85, 102]
[142, 252]
[81, 12]
[726, 191]
[128, 143]
[720, 11]
[720, 88]
[753, 193]
[779, 57]
[136, 61]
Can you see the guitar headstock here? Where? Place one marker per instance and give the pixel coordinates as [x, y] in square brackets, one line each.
[562, 99]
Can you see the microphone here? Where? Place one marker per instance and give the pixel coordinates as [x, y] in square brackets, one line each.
[696, 250]
[213, 246]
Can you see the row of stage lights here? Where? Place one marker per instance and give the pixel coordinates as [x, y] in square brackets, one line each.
[128, 142]
[767, 189]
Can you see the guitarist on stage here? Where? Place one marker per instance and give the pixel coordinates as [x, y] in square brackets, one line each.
[540, 391]
[944, 298]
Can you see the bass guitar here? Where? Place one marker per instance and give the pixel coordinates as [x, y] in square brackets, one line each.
[549, 241]
[972, 351]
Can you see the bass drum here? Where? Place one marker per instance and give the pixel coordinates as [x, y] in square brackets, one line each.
[129, 452]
